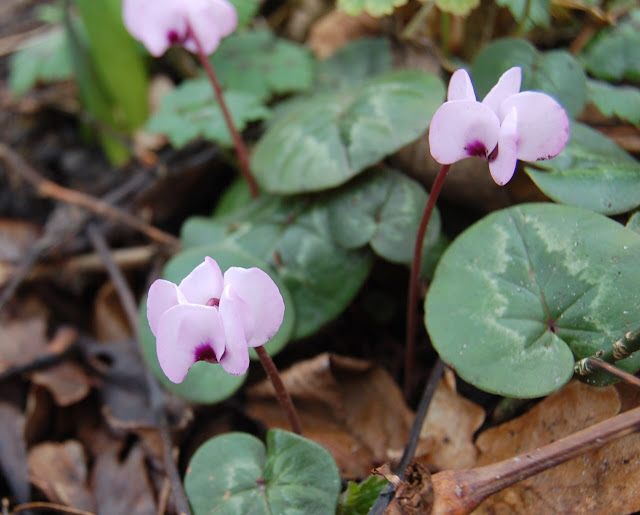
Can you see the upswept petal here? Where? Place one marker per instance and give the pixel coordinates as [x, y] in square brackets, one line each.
[162, 296]
[210, 21]
[503, 166]
[236, 317]
[151, 22]
[203, 283]
[263, 299]
[508, 84]
[462, 128]
[543, 125]
[181, 331]
[460, 87]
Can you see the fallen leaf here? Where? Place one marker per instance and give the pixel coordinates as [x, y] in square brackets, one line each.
[600, 481]
[22, 342]
[121, 486]
[446, 438]
[13, 451]
[16, 239]
[337, 28]
[67, 382]
[350, 406]
[109, 319]
[60, 471]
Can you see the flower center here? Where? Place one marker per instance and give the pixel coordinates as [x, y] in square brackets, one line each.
[173, 37]
[204, 352]
[476, 149]
[213, 302]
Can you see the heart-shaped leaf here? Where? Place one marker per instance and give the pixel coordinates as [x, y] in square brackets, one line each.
[591, 172]
[525, 292]
[621, 101]
[555, 72]
[325, 141]
[382, 208]
[261, 64]
[207, 383]
[372, 7]
[234, 474]
[291, 235]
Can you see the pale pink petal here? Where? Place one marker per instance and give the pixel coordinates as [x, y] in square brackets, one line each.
[543, 125]
[183, 332]
[461, 129]
[162, 296]
[236, 318]
[503, 165]
[508, 84]
[204, 283]
[460, 87]
[210, 21]
[156, 23]
[263, 298]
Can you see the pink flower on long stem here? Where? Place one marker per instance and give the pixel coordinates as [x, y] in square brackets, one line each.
[504, 127]
[158, 24]
[214, 318]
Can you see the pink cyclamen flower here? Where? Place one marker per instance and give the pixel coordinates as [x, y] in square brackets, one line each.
[214, 318]
[158, 24]
[504, 127]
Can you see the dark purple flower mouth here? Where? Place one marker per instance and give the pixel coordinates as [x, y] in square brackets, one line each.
[173, 37]
[476, 149]
[204, 352]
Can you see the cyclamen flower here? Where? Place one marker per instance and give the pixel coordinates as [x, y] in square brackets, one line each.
[504, 127]
[158, 24]
[214, 318]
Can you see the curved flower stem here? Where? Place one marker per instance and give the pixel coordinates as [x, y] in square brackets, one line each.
[410, 346]
[281, 392]
[241, 149]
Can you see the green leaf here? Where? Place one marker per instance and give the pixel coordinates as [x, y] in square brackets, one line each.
[621, 101]
[353, 63]
[328, 139]
[382, 208]
[259, 63]
[358, 498]
[537, 15]
[613, 54]
[236, 196]
[457, 7]
[292, 236]
[375, 8]
[233, 474]
[526, 291]
[192, 111]
[591, 172]
[634, 222]
[207, 383]
[555, 72]
[43, 58]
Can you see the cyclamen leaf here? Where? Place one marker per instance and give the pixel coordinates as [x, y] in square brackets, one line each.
[591, 172]
[246, 10]
[613, 55]
[259, 63]
[538, 13]
[375, 8]
[526, 291]
[621, 101]
[457, 7]
[555, 72]
[358, 498]
[234, 474]
[324, 141]
[191, 111]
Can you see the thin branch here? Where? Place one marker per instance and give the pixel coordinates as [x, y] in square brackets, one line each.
[50, 189]
[155, 393]
[49, 506]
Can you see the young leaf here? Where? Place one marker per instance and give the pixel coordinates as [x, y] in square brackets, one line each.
[591, 172]
[192, 111]
[613, 55]
[555, 72]
[259, 63]
[324, 141]
[525, 292]
[358, 498]
[233, 473]
[620, 101]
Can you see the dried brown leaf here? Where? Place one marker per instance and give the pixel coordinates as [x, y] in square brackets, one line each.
[16, 238]
[351, 407]
[446, 438]
[13, 451]
[67, 383]
[601, 481]
[22, 342]
[60, 471]
[337, 28]
[109, 319]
